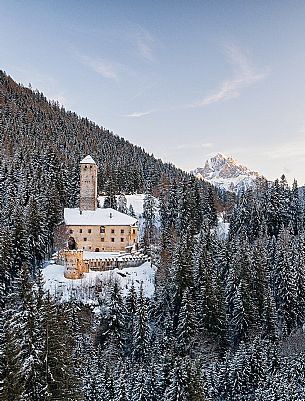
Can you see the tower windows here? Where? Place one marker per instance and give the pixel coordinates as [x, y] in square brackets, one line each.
[122, 239]
[112, 231]
[89, 230]
[85, 239]
[122, 231]
[112, 239]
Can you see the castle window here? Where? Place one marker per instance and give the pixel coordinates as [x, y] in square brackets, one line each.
[71, 231]
[85, 166]
[102, 239]
[102, 230]
[89, 230]
[112, 231]
[122, 231]
[80, 230]
[112, 239]
[133, 231]
[90, 166]
[85, 239]
[89, 247]
[122, 239]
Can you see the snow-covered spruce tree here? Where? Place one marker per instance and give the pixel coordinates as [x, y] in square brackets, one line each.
[131, 211]
[284, 284]
[207, 288]
[37, 235]
[110, 199]
[24, 351]
[112, 331]
[61, 377]
[182, 272]
[122, 204]
[130, 319]
[149, 216]
[186, 328]
[141, 335]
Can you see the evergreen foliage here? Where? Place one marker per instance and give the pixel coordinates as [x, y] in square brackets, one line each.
[227, 321]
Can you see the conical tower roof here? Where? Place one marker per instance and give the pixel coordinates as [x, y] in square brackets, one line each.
[88, 160]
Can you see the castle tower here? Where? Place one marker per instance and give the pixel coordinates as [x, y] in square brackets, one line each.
[88, 184]
[74, 264]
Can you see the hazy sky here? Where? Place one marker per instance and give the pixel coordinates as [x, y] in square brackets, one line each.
[183, 79]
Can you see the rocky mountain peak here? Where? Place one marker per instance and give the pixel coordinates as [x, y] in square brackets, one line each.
[227, 173]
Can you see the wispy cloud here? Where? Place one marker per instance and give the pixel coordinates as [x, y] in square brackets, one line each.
[102, 67]
[196, 145]
[145, 44]
[139, 114]
[287, 151]
[245, 75]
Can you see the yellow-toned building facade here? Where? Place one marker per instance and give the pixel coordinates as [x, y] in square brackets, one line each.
[104, 238]
[97, 229]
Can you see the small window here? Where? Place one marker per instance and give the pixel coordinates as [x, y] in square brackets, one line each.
[102, 229]
[122, 239]
[85, 166]
[112, 239]
[122, 231]
[90, 166]
[112, 231]
[71, 231]
[133, 231]
[102, 239]
[89, 230]
[85, 239]
[83, 247]
[89, 247]
[97, 249]
[80, 230]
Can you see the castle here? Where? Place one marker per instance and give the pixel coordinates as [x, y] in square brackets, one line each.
[93, 229]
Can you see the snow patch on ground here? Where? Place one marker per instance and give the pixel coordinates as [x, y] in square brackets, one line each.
[222, 229]
[91, 289]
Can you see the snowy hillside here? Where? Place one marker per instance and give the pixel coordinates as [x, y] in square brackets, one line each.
[93, 287]
[226, 173]
[135, 200]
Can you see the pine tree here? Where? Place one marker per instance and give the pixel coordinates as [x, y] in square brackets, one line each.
[141, 329]
[112, 338]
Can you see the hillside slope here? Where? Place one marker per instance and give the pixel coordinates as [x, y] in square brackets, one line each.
[35, 132]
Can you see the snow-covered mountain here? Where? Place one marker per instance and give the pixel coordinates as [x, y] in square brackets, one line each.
[226, 173]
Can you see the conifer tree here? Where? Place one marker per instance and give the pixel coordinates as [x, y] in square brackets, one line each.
[141, 329]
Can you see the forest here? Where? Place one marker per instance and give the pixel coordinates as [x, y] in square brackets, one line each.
[227, 318]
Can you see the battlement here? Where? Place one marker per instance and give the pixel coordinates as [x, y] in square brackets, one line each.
[75, 264]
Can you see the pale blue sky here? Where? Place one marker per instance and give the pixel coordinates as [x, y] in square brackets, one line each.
[183, 79]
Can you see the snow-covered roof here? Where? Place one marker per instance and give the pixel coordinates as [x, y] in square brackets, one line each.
[88, 160]
[98, 217]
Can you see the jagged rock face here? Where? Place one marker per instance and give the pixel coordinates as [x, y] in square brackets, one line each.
[226, 173]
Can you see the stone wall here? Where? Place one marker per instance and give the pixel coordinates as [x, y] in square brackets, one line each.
[88, 187]
[92, 238]
[75, 265]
